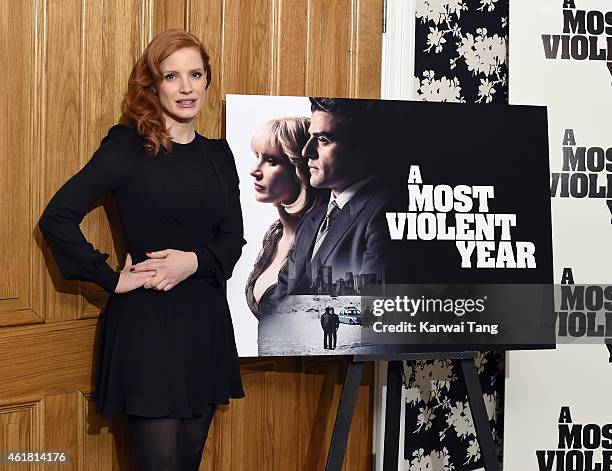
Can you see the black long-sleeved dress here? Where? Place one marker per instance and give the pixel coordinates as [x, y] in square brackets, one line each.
[162, 353]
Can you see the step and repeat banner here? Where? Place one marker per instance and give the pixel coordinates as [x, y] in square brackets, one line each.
[378, 226]
[557, 411]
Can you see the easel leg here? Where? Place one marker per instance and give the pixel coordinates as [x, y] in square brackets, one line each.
[344, 417]
[392, 415]
[479, 415]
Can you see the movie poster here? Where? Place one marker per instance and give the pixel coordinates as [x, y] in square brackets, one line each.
[390, 226]
[557, 414]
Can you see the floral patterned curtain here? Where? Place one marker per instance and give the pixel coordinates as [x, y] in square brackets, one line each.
[460, 56]
[461, 50]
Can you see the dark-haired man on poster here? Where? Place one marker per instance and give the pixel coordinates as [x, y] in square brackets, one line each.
[345, 237]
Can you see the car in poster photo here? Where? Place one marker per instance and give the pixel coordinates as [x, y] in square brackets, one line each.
[350, 315]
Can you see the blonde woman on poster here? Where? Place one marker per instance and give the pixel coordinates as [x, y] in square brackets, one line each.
[281, 177]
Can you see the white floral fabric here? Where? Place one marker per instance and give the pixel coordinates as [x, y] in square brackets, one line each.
[462, 50]
[439, 430]
[460, 56]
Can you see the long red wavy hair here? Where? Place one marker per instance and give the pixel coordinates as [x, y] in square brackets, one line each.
[141, 107]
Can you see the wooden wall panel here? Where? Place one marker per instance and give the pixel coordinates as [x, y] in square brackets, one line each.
[205, 20]
[21, 427]
[16, 246]
[366, 52]
[105, 445]
[290, 60]
[287, 47]
[358, 450]
[247, 47]
[61, 134]
[329, 29]
[98, 443]
[286, 400]
[15, 428]
[46, 358]
[292, 404]
[62, 429]
[70, 62]
[168, 14]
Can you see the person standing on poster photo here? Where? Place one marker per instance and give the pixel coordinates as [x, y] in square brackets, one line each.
[167, 353]
[350, 231]
[281, 177]
[330, 322]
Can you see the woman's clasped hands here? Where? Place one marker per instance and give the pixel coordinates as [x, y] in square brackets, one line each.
[162, 271]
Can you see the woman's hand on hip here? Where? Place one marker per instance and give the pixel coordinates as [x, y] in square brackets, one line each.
[128, 280]
[169, 266]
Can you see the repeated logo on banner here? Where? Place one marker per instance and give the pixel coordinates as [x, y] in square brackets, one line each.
[585, 171]
[576, 446]
[561, 57]
[587, 35]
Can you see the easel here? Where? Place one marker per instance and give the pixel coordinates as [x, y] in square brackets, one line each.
[346, 408]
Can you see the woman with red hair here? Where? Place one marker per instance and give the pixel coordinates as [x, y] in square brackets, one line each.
[167, 351]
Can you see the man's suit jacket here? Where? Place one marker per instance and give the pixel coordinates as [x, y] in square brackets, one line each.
[327, 322]
[330, 322]
[354, 242]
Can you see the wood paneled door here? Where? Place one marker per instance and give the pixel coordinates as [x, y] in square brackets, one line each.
[66, 66]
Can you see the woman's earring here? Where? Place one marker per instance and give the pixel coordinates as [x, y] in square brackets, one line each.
[154, 91]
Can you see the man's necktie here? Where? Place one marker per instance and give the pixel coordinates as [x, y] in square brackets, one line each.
[332, 212]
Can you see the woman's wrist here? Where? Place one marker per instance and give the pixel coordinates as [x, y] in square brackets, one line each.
[207, 267]
[194, 263]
